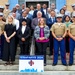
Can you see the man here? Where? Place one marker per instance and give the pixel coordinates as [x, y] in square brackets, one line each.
[73, 7]
[6, 10]
[72, 40]
[50, 21]
[38, 9]
[35, 21]
[66, 11]
[1, 9]
[54, 8]
[59, 32]
[16, 22]
[2, 25]
[48, 15]
[44, 8]
[25, 16]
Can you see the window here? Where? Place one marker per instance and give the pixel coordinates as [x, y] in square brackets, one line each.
[29, 2]
[21, 2]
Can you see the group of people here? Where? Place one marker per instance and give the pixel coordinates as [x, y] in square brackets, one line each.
[49, 27]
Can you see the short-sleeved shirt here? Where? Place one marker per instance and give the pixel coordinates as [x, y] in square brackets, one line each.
[71, 28]
[59, 29]
[2, 25]
[10, 29]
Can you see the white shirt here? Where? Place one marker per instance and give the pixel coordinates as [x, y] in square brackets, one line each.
[31, 12]
[67, 13]
[16, 22]
[44, 11]
[23, 29]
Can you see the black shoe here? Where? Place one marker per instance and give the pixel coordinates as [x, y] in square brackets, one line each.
[54, 64]
[65, 64]
[44, 64]
[70, 64]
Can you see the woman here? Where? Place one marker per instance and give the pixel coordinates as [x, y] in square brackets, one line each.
[9, 42]
[62, 11]
[24, 35]
[71, 32]
[41, 34]
[67, 23]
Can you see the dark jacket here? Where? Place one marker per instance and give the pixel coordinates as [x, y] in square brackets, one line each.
[49, 22]
[35, 14]
[26, 35]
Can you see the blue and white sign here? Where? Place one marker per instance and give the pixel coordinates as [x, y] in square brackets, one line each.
[31, 64]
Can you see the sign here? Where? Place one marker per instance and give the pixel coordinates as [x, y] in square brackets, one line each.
[31, 64]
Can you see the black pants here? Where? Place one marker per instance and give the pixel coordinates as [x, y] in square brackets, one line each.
[51, 44]
[24, 49]
[1, 45]
[42, 49]
[67, 44]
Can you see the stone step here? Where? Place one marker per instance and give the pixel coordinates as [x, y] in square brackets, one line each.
[49, 62]
[46, 68]
[44, 73]
[47, 51]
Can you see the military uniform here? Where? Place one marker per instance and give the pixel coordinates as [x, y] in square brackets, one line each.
[6, 11]
[72, 42]
[2, 24]
[59, 29]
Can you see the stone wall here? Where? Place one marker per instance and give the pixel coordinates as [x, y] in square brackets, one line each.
[2, 2]
[69, 3]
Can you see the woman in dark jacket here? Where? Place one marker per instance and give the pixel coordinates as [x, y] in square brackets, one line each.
[23, 35]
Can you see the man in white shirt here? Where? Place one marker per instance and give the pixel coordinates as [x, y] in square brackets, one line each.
[16, 22]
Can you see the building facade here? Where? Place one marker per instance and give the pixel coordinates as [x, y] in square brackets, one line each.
[59, 3]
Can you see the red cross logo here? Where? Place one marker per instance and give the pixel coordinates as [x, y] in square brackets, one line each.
[31, 63]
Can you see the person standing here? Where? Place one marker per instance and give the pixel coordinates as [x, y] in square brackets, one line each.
[6, 10]
[71, 33]
[38, 8]
[2, 25]
[59, 32]
[67, 23]
[23, 34]
[9, 42]
[50, 22]
[41, 34]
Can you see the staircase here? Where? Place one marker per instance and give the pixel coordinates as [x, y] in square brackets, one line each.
[49, 69]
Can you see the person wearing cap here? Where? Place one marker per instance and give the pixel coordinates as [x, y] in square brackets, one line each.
[23, 34]
[1, 9]
[6, 10]
[73, 7]
[2, 25]
[71, 32]
[59, 32]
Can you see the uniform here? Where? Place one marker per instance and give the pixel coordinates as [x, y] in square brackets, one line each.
[59, 29]
[2, 24]
[6, 11]
[72, 42]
